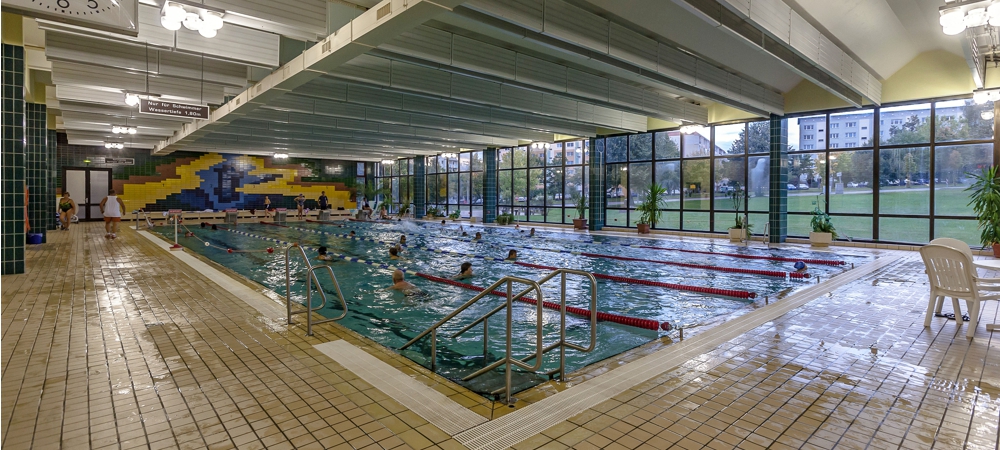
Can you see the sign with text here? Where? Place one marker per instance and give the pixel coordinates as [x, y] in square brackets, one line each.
[172, 109]
[117, 161]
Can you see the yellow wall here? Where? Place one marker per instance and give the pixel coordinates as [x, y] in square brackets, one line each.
[721, 113]
[936, 73]
[13, 29]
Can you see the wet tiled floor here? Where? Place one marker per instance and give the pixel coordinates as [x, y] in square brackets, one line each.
[115, 344]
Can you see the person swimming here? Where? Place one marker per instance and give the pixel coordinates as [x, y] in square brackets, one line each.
[532, 233]
[351, 234]
[442, 222]
[393, 253]
[400, 284]
[464, 272]
[465, 234]
[800, 267]
[511, 255]
[322, 251]
[402, 240]
[478, 236]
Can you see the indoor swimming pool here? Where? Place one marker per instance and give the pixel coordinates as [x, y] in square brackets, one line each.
[685, 284]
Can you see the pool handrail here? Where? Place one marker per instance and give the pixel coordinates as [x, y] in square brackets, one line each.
[562, 344]
[507, 360]
[310, 277]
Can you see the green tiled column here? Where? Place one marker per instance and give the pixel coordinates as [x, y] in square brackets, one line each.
[598, 198]
[419, 187]
[36, 171]
[52, 142]
[490, 185]
[12, 165]
[778, 202]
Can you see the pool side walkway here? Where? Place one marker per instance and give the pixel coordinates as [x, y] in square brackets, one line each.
[116, 344]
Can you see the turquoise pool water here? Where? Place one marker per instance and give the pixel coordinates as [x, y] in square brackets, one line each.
[392, 318]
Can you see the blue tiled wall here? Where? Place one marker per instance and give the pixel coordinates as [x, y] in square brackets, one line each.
[778, 202]
[490, 185]
[36, 170]
[12, 166]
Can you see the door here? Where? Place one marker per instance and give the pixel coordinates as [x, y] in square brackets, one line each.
[87, 187]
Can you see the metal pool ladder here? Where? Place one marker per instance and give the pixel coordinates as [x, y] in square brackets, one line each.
[310, 277]
[508, 361]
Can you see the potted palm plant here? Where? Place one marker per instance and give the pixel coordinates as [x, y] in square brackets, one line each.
[985, 201]
[650, 208]
[739, 231]
[823, 232]
[580, 223]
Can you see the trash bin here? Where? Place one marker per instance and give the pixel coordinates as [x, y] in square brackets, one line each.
[34, 238]
[231, 216]
[280, 216]
[324, 216]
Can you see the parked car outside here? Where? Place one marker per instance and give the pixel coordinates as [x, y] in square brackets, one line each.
[803, 186]
[791, 187]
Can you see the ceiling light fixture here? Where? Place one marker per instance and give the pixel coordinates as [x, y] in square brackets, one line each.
[281, 156]
[986, 115]
[449, 155]
[981, 96]
[116, 145]
[131, 99]
[123, 130]
[957, 16]
[207, 22]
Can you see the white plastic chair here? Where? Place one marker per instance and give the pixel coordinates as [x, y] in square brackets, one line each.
[964, 248]
[952, 274]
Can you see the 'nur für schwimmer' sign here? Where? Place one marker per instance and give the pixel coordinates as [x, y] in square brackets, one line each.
[173, 109]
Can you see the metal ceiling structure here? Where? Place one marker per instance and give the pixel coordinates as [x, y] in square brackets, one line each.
[403, 78]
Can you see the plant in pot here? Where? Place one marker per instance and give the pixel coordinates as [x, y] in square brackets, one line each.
[985, 201]
[580, 223]
[431, 213]
[454, 215]
[823, 232]
[505, 219]
[650, 208]
[742, 229]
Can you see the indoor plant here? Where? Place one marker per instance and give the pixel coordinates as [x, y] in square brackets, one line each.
[985, 201]
[739, 231]
[649, 210]
[580, 223]
[823, 232]
[454, 215]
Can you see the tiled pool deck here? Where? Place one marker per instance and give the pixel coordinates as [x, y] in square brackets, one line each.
[117, 344]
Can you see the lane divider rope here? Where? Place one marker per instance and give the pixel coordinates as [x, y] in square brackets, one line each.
[699, 289]
[768, 273]
[648, 324]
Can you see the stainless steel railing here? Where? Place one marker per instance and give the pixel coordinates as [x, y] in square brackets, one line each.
[540, 349]
[310, 277]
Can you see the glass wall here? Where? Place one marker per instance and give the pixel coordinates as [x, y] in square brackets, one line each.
[396, 183]
[542, 182]
[455, 183]
[892, 174]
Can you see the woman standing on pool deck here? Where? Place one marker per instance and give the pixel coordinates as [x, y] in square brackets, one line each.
[67, 209]
[300, 203]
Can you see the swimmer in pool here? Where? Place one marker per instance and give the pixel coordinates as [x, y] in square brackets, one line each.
[532, 233]
[393, 253]
[351, 234]
[442, 222]
[511, 255]
[478, 236]
[464, 234]
[399, 284]
[323, 256]
[402, 240]
[800, 267]
[465, 272]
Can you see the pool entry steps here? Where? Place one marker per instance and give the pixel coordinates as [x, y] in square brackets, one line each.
[310, 278]
[508, 361]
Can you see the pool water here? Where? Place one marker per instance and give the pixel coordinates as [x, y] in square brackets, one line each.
[392, 318]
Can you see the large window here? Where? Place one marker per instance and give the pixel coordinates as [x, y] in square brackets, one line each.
[455, 183]
[542, 182]
[900, 178]
[395, 179]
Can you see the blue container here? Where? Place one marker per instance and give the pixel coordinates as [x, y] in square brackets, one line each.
[34, 238]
